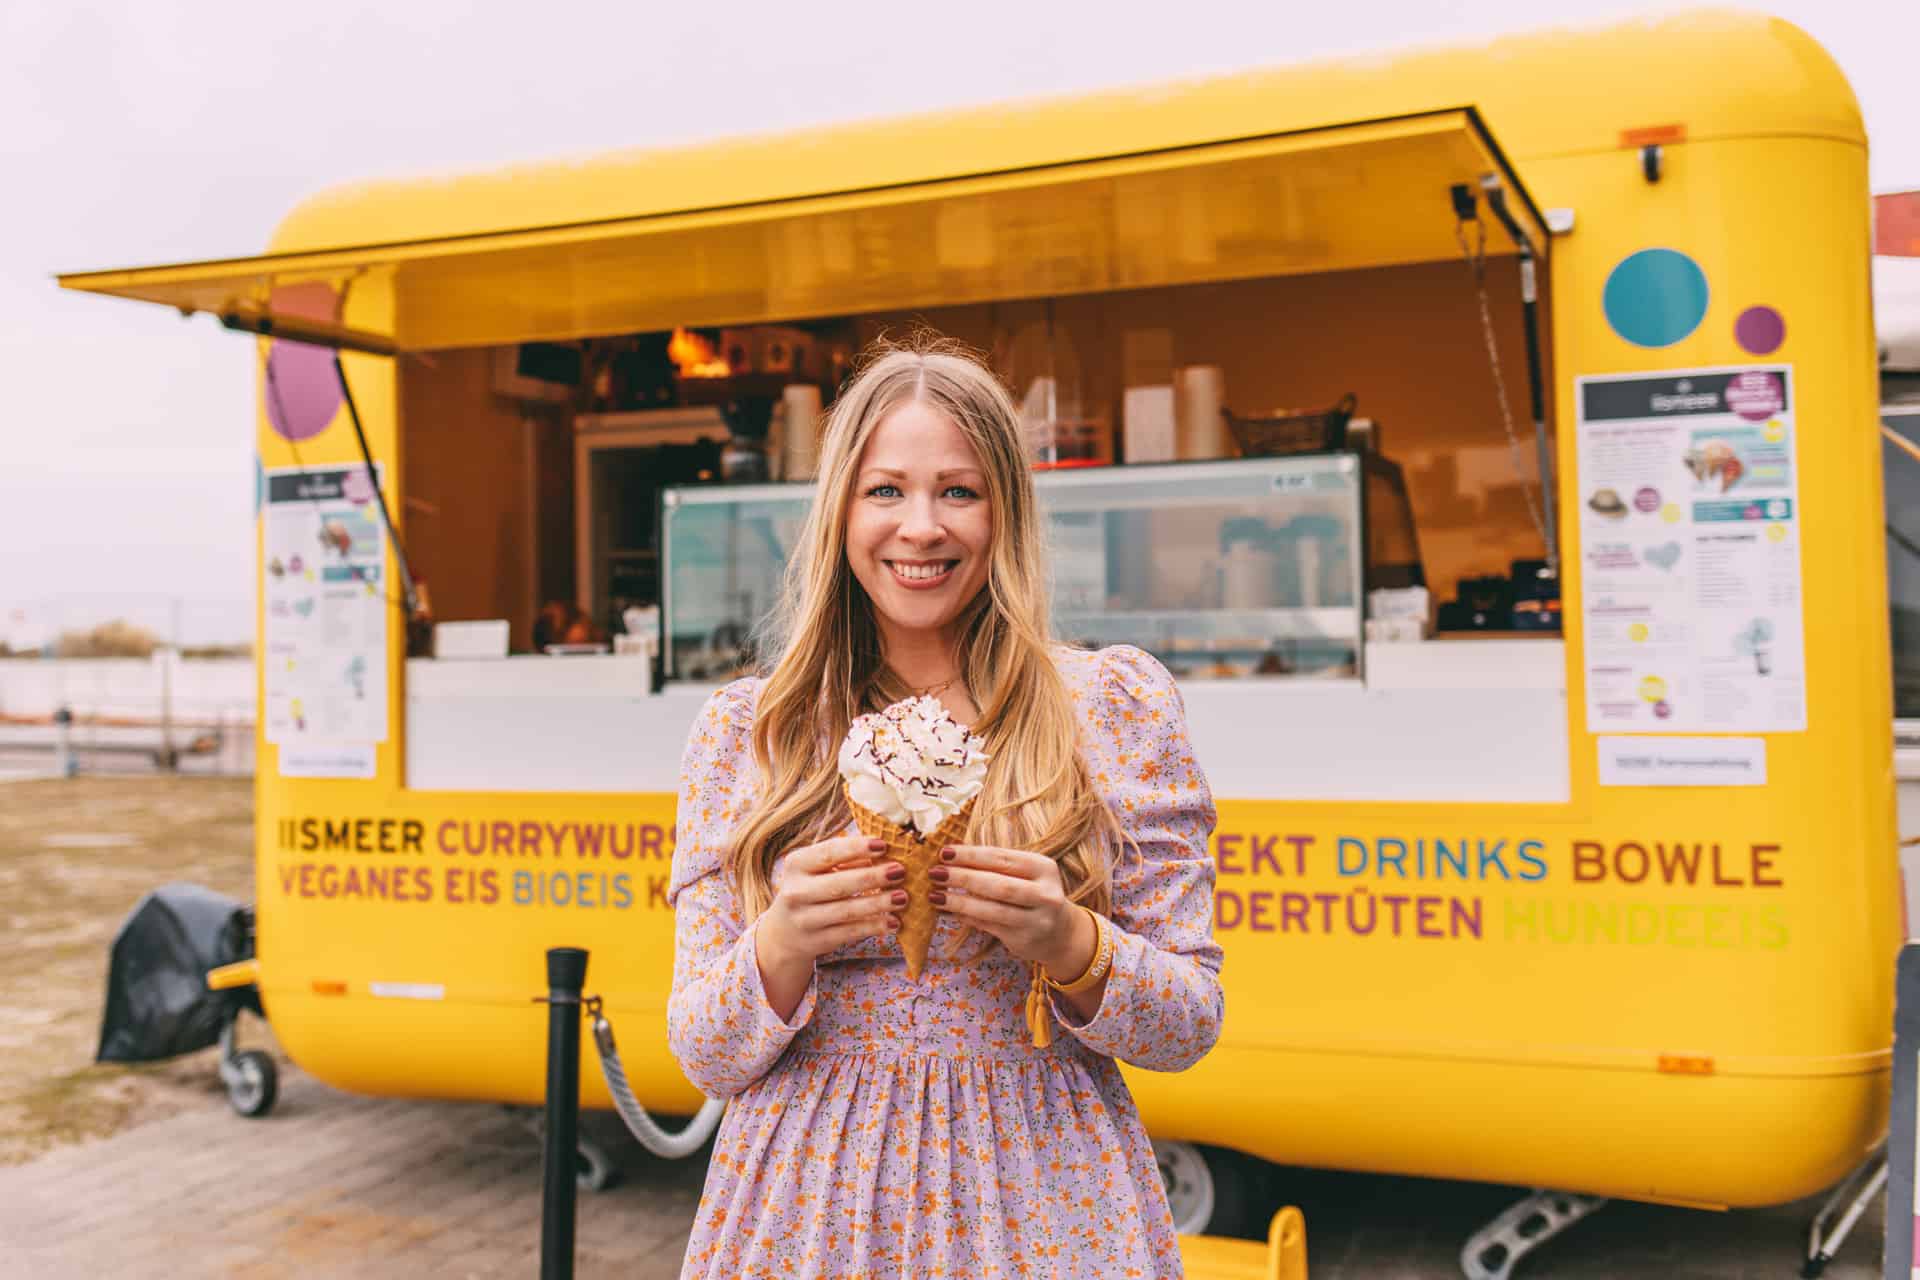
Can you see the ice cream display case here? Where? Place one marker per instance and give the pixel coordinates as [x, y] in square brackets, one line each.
[1250, 568]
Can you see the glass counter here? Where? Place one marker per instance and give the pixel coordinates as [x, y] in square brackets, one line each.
[1237, 569]
[724, 547]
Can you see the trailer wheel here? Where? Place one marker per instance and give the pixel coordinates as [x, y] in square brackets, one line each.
[1211, 1191]
[254, 1084]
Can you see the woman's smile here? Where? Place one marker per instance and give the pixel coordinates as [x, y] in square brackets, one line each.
[922, 575]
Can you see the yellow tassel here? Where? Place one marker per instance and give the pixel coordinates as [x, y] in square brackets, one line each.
[1039, 1022]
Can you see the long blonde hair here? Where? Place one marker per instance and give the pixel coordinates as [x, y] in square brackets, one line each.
[830, 667]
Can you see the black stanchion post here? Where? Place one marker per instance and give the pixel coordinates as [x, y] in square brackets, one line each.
[566, 975]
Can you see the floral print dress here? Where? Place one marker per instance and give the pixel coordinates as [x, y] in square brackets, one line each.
[893, 1128]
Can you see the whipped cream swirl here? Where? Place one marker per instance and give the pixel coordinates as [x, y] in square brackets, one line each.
[913, 764]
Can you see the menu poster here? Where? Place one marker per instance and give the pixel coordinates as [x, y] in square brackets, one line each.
[1690, 547]
[325, 644]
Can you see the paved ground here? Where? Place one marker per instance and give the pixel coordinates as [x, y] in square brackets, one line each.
[330, 1185]
[333, 1185]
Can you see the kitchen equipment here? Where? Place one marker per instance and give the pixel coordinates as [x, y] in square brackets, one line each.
[800, 432]
[1248, 564]
[1148, 428]
[1297, 431]
[1317, 541]
[1199, 394]
[743, 459]
[482, 639]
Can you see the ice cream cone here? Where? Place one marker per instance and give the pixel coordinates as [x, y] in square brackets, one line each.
[919, 855]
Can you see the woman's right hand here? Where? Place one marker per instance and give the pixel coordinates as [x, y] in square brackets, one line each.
[819, 904]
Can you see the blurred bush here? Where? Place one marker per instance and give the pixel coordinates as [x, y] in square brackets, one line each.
[116, 639]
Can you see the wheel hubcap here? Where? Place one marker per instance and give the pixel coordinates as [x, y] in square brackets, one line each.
[1189, 1185]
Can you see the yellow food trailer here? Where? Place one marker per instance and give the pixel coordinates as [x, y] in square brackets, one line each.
[1543, 685]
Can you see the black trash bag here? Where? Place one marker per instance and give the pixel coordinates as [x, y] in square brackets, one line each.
[158, 1005]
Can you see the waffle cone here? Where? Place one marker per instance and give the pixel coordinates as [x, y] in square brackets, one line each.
[919, 855]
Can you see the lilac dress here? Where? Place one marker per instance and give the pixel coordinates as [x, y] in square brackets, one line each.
[893, 1128]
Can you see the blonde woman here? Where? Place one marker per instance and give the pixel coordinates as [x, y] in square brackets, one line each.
[882, 1126]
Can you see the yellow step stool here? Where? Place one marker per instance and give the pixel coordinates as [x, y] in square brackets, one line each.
[1283, 1257]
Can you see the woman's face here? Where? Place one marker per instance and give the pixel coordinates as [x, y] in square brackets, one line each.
[918, 525]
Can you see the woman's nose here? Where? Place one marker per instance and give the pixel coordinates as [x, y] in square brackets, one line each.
[920, 523]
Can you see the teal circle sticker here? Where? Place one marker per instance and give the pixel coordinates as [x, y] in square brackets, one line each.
[1655, 297]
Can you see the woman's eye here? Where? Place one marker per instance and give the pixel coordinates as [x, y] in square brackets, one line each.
[884, 491]
[960, 491]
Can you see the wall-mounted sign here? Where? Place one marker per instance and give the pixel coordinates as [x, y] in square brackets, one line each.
[1690, 549]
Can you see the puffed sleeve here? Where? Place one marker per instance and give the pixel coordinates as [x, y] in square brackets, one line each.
[719, 1024]
[1162, 1005]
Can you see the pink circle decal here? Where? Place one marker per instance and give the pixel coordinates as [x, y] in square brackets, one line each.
[302, 391]
[1646, 499]
[1760, 330]
[1755, 396]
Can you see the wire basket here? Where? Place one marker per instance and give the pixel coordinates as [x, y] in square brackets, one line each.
[1319, 432]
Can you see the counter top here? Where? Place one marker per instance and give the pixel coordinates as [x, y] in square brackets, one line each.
[578, 675]
[1484, 720]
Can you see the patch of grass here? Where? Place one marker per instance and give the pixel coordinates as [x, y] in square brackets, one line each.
[62, 907]
[69, 1107]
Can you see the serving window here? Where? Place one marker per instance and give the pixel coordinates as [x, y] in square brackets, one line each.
[604, 431]
[518, 504]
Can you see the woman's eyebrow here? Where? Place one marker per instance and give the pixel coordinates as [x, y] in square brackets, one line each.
[938, 475]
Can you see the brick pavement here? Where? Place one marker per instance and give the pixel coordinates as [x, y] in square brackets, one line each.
[333, 1185]
[330, 1185]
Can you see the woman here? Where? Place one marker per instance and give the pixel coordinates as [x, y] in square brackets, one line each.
[882, 1126]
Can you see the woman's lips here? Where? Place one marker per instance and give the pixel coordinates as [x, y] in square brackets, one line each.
[921, 575]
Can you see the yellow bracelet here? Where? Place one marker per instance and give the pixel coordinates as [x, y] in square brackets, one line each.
[1101, 962]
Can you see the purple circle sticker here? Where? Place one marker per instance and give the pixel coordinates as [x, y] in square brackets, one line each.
[1662, 709]
[357, 487]
[1760, 330]
[302, 391]
[1646, 499]
[1755, 396]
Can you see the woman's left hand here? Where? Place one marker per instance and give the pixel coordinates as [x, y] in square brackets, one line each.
[1017, 897]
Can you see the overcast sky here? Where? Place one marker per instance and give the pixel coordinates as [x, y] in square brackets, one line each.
[157, 130]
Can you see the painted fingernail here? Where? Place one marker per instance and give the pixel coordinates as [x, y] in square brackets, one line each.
[948, 854]
[896, 872]
[900, 899]
[893, 924]
[876, 846]
[937, 898]
[938, 873]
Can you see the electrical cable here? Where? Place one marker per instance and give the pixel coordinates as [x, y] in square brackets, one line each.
[1476, 259]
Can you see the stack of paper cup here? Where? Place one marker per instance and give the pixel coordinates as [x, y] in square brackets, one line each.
[800, 442]
[1199, 391]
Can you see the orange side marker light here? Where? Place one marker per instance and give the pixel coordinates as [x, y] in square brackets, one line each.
[1656, 135]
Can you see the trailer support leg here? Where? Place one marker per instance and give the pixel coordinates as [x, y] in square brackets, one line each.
[596, 1169]
[1863, 1184]
[1491, 1252]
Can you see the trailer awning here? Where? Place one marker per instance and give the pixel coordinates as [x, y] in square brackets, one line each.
[1372, 194]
